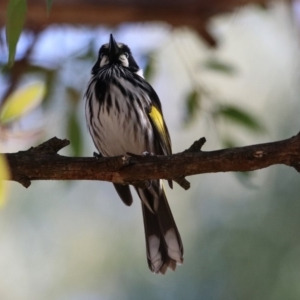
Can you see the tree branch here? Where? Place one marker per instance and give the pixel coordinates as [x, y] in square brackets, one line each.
[192, 13]
[43, 163]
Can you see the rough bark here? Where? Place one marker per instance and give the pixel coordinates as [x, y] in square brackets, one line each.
[43, 163]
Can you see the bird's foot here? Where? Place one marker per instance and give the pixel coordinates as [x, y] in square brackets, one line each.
[97, 155]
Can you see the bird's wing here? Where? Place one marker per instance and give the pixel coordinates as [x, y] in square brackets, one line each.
[160, 129]
[154, 110]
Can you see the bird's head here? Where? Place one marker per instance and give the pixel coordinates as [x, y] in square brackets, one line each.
[115, 53]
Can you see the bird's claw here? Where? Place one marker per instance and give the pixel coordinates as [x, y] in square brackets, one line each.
[97, 155]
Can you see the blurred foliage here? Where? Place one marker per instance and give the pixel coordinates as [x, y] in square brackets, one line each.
[15, 20]
[192, 105]
[219, 111]
[18, 104]
[74, 133]
[73, 123]
[16, 14]
[242, 246]
[22, 101]
[217, 65]
[4, 175]
[149, 70]
[48, 74]
[238, 116]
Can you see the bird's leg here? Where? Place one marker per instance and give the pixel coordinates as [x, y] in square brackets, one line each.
[146, 153]
[97, 155]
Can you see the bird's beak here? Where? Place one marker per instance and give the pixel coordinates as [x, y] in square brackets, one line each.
[113, 48]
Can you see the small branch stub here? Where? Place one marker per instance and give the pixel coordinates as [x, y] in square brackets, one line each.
[23, 180]
[51, 146]
[196, 146]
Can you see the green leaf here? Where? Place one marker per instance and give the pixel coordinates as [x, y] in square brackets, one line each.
[4, 175]
[74, 133]
[50, 81]
[239, 116]
[22, 101]
[16, 14]
[149, 69]
[219, 66]
[192, 105]
[49, 6]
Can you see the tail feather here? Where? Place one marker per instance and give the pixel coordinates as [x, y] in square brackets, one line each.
[163, 241]
[124, 193]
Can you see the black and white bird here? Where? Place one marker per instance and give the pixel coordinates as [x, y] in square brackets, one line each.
[124, 115]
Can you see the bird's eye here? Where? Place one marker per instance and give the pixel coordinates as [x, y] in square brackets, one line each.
[126, 54]
[101, 55]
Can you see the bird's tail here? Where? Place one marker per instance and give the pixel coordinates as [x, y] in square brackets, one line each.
[163, 241]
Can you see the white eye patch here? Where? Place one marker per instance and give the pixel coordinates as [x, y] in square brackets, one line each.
[124, 60]
[104, 61]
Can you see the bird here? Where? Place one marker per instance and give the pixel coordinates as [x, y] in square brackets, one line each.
[124, 115]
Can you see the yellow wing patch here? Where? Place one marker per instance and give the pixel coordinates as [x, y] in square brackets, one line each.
[157, 119]
[159, 124]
